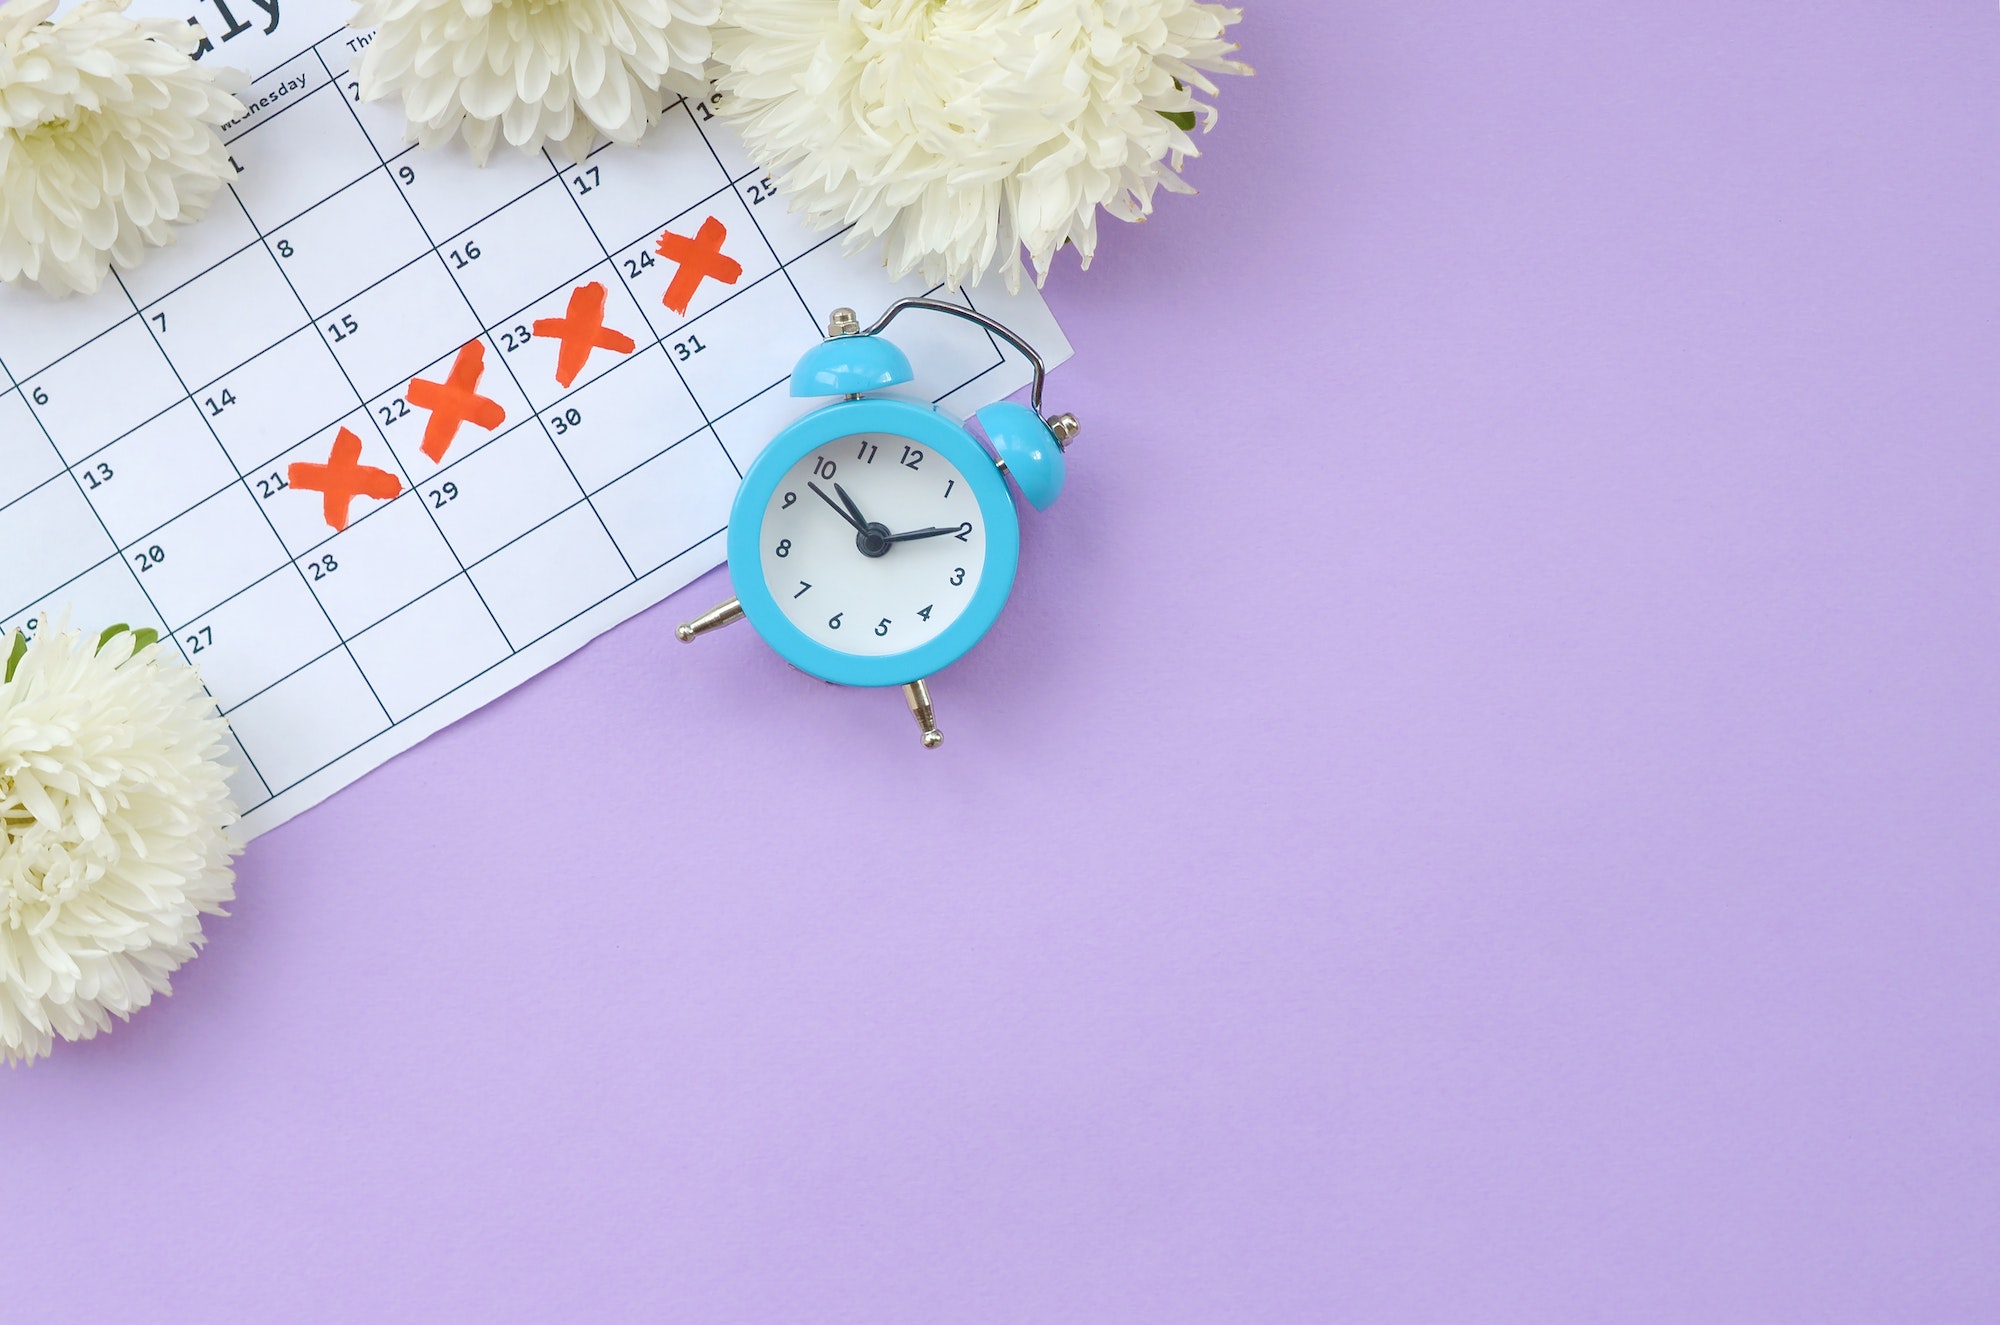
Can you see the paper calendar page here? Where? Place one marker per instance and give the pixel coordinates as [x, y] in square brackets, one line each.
[385, 434]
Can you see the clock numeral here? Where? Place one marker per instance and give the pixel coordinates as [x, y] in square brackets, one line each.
[912, 457]
[926, 613]
[822, 467]
[833, 622]
[784, 548]
[949, 485]
[867, 451]
[958, 575]
[803, 586]
[882, 626]
[964, 532]
[790, 497]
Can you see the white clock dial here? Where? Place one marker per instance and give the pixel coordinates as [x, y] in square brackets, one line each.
[866, 586]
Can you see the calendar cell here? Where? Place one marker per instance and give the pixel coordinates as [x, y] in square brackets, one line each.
[154, 472]
[299, 514]
[213, 551]
[500, 493]
[784, 230]
[745, 429]
[72, 402]
[416, 316]
[627, 194]
[744, 346]
[566, 317]
[379, 565]
[652, 281]
[827, 277]
[105, 595]
[671, 503]
[722, 140]
[952, 351]
[622, 419]
[26, 457]
[276, 91]
[406, 424]
[382, 121]
[450, 193]
[299, 156]
[520, 253]
[257, 638]
[288, 393]
[308, 720]
[224, 317]
[560, 570]
[246, 788]
[57, 523]
[37, 329]
[354, 239]
[430, 648]
[223, 232]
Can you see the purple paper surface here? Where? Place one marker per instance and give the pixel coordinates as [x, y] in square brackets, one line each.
[1483, 807]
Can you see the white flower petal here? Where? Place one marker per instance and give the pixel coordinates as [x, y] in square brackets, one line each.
[959, 133]
[108, 132]
[113, 811]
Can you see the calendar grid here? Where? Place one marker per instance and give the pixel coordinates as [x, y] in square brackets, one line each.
[265, 515]
[117, 551]
[409, 486]
[422, 618]
[486, 331]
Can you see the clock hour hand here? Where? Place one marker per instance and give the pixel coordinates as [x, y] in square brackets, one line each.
[860, 525]
[924, 533]
[860, 520]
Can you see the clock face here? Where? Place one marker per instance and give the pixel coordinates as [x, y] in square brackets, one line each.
[871, 545]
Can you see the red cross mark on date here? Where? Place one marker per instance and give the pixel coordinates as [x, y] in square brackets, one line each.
[343, 478]
[581, 330]
[700, 258]
[455, 401]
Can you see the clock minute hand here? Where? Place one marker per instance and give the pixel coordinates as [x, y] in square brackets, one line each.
[924, 533]
[838, 509]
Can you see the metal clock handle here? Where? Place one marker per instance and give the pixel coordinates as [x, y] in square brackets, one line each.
[1062, 425]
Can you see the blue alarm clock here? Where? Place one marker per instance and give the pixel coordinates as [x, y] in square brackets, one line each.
[874, 540]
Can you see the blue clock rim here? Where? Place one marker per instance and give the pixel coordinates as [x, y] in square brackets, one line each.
[922, 424]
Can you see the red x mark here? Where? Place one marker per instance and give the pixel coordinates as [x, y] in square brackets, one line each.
[453, 401]
[700, 258]
[342, 478]
[581, 331]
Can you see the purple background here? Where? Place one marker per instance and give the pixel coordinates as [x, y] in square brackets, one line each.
[1483, 809]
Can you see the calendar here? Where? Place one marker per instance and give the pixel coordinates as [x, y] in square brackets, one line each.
[387, 433]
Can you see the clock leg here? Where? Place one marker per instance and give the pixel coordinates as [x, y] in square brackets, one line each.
[715, 618]
[919, 696]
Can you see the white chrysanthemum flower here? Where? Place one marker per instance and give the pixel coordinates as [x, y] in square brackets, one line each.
[535, 71]
[113, 805]
[960, 131]
[107, 138]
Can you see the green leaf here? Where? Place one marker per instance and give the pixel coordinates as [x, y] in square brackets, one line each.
[110, 633]
[14, 656]
[142, 638]
[1180, 119]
